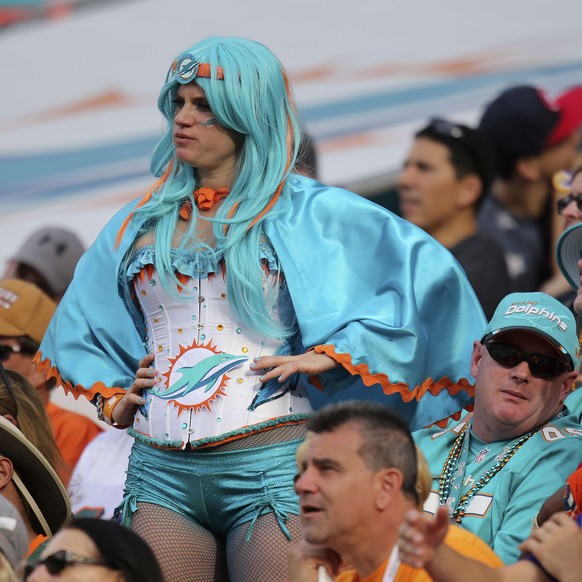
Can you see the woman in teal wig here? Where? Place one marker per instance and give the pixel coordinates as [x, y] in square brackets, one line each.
[245, 295]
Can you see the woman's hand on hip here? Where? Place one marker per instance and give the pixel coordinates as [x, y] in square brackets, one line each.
[282, 367]
[145, 377]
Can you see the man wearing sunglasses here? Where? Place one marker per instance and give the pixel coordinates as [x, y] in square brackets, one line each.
[25, 312]
[569, 255]
[570, 207]
[494, 468]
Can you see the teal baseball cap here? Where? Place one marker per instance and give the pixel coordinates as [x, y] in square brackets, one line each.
[569, 252]
[537, 313]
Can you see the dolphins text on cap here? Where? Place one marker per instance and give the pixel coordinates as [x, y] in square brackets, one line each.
[530, 309]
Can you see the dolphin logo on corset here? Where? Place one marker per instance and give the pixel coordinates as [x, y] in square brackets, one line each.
[204, 375]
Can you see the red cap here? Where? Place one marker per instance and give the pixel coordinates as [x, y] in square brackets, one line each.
[569, 106]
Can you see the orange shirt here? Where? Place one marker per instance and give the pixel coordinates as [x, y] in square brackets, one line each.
[458, 539]
[72, 432]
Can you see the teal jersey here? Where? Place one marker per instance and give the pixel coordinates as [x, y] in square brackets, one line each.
[502, 511]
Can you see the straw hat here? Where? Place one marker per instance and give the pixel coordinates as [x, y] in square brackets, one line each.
[36, 480]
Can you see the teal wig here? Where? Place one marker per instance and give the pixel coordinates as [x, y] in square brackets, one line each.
[249, 95]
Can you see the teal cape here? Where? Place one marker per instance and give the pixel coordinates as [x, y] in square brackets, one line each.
[376, 293]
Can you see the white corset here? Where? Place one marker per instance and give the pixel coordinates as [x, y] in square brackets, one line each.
[205, 391]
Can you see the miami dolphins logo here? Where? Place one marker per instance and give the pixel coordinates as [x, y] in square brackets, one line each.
[197, 377]
[186, 69]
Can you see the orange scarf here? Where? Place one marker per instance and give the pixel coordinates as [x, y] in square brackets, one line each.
[205, 199]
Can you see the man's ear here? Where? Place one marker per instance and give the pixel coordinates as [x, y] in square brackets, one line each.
[6, 470]
[388, 482]
[567, 385]
[476, 357]
[469, 191]
[528, 168]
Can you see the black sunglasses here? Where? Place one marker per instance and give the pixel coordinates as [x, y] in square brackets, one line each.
[563, 202]
[7, 351]
[540, 366]
[57, 562]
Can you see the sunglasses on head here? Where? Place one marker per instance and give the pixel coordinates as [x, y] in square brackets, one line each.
[57, 562]
[563, 202]
[447, 128]
[540, 365]
[456, 132]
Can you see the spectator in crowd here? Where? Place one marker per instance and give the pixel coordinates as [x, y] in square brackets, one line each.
[200, 311]
[47, 259]
[533, 137]
[558, 286]
[569, 255]
[570, 242]
[569, 188]
[358, 477]
[495, 467]
[31, 485]
[570, 206]
[95, 549]
[25, 312]
[441, 186]
[13, 541]
[21, 405]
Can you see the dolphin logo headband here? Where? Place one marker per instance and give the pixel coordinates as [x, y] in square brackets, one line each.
[186, 68]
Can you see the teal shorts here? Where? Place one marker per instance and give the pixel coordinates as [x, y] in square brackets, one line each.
[218, 490]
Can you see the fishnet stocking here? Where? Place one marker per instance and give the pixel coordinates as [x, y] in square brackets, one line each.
[185, 551]
[264, 558]
[288, 432]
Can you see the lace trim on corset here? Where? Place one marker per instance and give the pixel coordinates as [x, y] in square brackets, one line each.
[195, 263]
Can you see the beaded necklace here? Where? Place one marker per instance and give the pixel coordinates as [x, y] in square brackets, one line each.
[449, 467]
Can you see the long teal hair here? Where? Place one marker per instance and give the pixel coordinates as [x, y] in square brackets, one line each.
[254, 99]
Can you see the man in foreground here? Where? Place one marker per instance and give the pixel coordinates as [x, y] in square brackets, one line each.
[358, 478]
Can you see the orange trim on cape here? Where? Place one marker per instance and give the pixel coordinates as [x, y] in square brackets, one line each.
[456, 416]
[407, 394]
[45, 367]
